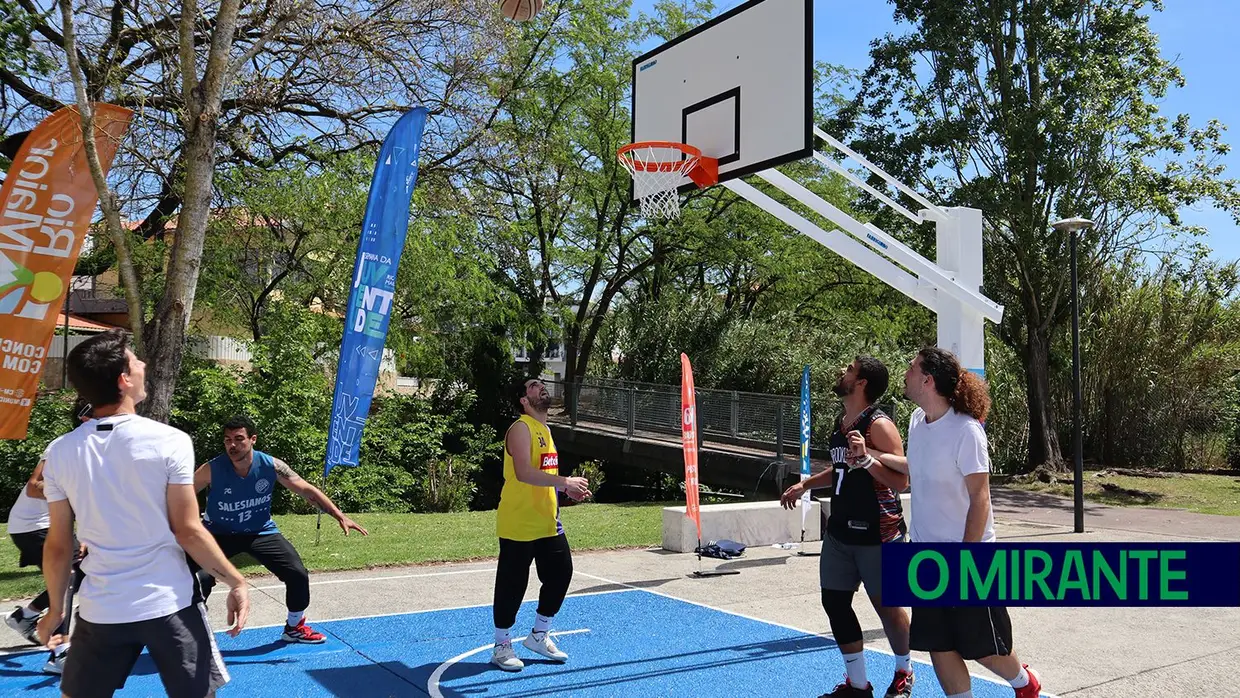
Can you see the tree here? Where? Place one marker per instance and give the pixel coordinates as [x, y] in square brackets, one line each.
[107, 196]
[257, 85]
[286, 232]
[554, 198]
[1163, 350]
[18, 59]
[1032, 110]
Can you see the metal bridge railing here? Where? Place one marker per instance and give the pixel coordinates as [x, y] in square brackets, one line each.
[724, 416]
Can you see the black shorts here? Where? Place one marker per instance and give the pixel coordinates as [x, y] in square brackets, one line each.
[972, 631]
[103, 654]
[30, 547]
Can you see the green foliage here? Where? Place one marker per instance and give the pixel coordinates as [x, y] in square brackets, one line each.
[418, 453]
[17, 53]
[208, 394]
[50, 418]
[287, 393]
[1162, 351]
[594, 473]
[286, 232]
[760, 353]
[1233, 447]
[1007, 426]
[1033, 112]
[525, 237]
[421, 455]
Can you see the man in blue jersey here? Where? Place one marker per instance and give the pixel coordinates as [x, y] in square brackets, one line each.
[238, 514]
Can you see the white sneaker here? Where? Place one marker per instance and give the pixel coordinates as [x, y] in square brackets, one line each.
[56, 662]
[545, 647]
[26, 627]
[505, 658]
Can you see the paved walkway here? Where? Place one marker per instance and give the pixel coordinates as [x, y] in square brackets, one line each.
[1021, 505]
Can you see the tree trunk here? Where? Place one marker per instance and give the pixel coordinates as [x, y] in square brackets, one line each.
[107, 197]
[1043, 438]
[165, 333]
[535, 359]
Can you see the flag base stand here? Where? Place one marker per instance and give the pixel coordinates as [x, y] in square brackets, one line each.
[318, 523]
[802, 553]
[714, 573]
[700, 573]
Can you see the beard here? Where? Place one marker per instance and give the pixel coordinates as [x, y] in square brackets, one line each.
[541, 404]
[840, 390]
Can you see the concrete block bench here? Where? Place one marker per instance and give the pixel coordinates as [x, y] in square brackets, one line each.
[755, 524]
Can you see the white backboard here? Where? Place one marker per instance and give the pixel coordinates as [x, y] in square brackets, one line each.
[738, 87]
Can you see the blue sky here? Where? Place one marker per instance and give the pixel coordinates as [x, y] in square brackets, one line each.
[1199, 35]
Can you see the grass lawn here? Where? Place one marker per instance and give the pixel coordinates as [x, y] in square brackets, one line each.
[1206, 494]
[407, 539]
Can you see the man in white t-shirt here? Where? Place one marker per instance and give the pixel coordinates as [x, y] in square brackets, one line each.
[129, 483]
[28, 524]
[948, 464]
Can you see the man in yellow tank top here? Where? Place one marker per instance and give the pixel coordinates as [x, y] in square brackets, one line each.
[529, 528]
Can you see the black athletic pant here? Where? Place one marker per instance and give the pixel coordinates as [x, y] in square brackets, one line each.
[272, 551]
[30, 546]
[41, 602]
[554, 562]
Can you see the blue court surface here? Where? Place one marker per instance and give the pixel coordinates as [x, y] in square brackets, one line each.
[624, 643]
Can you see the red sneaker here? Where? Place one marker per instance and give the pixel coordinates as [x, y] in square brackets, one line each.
[901, 686]
[1033, 689]
[304, 633]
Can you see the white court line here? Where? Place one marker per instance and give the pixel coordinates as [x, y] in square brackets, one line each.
[432, 610]
[627, 589]
[273, 587]
[886, 651]
[432, 684]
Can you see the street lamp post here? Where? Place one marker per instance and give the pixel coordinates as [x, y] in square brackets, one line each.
[1072, 226]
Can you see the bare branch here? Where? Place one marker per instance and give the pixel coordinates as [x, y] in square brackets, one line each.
[107, 198]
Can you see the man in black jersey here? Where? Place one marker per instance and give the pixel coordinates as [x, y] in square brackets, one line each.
[865, 514]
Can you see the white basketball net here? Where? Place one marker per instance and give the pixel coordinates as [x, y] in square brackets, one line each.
[657, 172]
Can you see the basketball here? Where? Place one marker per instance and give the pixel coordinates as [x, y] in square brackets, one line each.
[521, 10]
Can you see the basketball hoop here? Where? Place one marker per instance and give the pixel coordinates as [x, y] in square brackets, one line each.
[658, 167]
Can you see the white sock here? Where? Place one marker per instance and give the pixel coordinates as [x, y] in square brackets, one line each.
[541, 623]
[854, 664]
[28, 612]
[294, 617]
[60, 649]
[502, 637]
[966, 694]
[904, 662]
[1021, 680]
